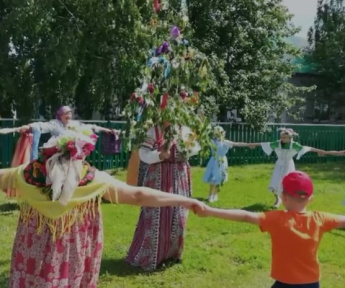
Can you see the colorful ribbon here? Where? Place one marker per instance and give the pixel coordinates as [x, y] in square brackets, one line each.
[184, 7]
[157, 5]
[154, 60]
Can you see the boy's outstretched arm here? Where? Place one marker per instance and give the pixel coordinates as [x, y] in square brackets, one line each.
[341, 223]
[230, 214]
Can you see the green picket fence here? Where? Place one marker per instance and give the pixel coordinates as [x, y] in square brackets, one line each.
[328, 137]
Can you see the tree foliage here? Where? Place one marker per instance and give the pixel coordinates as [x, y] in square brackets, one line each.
[90, 52]
[250, 38]
[327, 52]
[77, 52]
[173, 80]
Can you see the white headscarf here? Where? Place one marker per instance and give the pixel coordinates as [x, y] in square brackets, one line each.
[287, 131]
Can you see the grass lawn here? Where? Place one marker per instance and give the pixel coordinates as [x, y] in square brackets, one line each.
[217, 253]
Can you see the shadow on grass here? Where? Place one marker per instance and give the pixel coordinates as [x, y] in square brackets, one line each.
[4, 280]
[4, 275]
[338, 232]
[325, 171]
[121, 268]
[8, 208]
[201, 199]
[258, 207]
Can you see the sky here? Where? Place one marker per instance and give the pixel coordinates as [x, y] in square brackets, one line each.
[304, 11]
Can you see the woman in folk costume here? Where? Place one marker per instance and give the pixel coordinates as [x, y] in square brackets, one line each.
[27, 146]
[159, 236]
[62, 123]
[216, 172]
[59, 237]
[285, 149]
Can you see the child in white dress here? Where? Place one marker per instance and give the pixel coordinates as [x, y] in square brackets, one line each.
[217, 167]
[285, 149]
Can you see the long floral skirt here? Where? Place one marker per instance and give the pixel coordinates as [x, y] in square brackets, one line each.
[160, 232]
[71, 261]
[142, 172]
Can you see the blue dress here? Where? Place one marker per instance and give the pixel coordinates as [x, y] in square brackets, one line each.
[217, 167]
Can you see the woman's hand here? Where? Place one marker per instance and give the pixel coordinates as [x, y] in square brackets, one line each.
[203, 211]
[164, 155]
[166, 152]
[195, 205]
[23, 129]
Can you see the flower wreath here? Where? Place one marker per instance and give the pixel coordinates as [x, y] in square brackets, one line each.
[35, 174]
[74, 144]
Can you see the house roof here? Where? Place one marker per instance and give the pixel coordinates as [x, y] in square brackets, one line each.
[303, 66]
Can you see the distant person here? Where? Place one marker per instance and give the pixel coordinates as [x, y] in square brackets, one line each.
[216, 172]
[285, 149]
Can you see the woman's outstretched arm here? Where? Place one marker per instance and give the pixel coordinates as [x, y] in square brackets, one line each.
[122, 193]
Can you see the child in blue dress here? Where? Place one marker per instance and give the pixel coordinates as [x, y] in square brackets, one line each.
[217, 167]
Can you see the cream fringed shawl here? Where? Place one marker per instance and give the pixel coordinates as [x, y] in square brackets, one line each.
[33, 203]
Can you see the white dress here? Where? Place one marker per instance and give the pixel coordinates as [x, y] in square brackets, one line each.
[284, 163]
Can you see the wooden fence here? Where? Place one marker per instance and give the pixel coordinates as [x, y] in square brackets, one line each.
[329, 137]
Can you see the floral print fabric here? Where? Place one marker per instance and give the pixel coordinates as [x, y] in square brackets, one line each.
[72, 260]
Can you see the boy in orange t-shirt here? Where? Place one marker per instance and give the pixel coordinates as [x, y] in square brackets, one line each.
[295, 233]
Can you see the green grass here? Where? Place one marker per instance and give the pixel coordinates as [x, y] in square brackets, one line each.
[217, 253]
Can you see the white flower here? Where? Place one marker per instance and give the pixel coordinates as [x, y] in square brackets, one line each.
[149, 102]
[149, 122]
[144, 87]
[175, 64]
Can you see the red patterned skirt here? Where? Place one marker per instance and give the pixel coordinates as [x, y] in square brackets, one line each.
[160, 232]
[72, 260]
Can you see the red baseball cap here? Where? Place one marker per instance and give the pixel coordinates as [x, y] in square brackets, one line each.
[298, 184]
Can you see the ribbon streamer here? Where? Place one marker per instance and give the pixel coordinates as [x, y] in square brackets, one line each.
[140, 113]
[154, 60]
[157, 5]
[184, 8]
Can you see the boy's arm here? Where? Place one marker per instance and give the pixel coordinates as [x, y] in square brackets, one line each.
[232, 215]
[331, 221]
[341, 223]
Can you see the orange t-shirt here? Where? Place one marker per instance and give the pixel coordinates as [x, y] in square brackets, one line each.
[295, 240]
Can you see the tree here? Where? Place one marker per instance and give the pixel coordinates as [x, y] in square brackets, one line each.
[90, 53]
[75, 52]
[250, 38]
[327, 52]
[173, 79]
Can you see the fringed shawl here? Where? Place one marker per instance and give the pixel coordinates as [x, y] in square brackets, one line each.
[35, 203]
